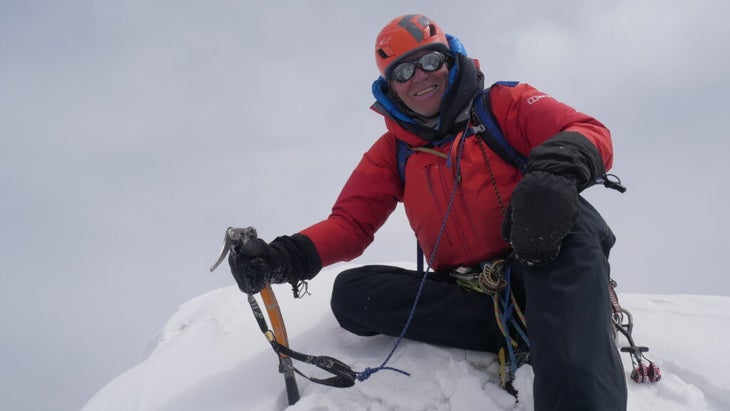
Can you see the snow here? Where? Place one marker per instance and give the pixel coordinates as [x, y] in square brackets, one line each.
[211, 355]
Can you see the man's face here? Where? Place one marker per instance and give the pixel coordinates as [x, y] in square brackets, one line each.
[423, 92]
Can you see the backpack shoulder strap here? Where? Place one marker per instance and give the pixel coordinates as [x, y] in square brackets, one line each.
[402, 152]
[492, 133]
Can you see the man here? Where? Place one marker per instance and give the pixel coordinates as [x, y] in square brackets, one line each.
[470, 209]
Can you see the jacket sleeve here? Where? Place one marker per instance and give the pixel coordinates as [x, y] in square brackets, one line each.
[529, 117]
[367, 199]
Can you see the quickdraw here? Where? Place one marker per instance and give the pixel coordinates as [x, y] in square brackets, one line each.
[644, 370]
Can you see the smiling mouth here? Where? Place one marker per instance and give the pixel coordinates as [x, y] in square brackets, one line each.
[425, 91]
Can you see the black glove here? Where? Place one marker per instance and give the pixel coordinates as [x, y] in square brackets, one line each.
[255, 264]
[544, 204]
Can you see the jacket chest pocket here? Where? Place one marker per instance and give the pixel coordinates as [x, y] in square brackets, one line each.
[434, 205]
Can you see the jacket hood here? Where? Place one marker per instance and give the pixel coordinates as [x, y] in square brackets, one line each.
[465, 81]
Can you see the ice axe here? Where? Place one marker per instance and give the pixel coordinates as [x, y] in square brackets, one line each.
[276, 337]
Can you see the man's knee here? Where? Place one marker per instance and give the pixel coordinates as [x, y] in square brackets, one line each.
[347, 287]
[345, 304]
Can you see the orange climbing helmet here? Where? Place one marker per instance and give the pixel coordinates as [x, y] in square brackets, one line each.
[405, 34]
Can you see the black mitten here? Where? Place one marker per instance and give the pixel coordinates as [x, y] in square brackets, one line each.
[254, 264]
[544, 204]
[541, 213]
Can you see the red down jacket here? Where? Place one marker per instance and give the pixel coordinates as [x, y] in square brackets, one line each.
[471, 234]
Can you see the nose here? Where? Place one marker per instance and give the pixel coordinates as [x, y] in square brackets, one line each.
[420, 74]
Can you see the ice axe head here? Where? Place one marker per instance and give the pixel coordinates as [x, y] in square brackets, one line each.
[233, 235]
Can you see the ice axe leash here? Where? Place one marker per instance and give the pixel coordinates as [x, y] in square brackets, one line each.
[343, 375]
[277, 336]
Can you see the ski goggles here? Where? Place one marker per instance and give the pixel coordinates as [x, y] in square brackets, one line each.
[428, 62]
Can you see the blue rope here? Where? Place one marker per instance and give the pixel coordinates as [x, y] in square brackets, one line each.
[521, 332]
[505, 315]
[365, 374]
[512, 303]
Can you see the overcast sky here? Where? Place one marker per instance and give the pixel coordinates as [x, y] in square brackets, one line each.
[134, 132]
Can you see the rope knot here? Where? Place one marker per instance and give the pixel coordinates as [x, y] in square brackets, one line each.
[367, 372]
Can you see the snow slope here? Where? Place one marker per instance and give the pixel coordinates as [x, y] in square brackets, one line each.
[211, 355]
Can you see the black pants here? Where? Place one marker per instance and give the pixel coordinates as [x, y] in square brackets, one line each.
[575, 361]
